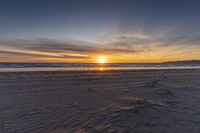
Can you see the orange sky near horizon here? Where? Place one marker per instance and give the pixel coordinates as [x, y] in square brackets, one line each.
[125, 58]
[120, 49]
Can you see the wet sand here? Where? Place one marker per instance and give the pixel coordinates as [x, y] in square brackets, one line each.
[142, 101]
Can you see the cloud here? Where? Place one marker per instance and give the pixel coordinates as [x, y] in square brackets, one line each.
[138, 45]
[55, 49]
[160, 40]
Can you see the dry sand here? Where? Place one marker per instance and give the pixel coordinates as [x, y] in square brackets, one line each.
[156, 101]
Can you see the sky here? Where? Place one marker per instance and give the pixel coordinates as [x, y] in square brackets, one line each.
[122, 31]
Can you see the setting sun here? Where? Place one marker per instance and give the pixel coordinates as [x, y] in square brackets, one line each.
[102, 60]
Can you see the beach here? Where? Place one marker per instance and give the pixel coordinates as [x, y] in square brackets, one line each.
[128, 101]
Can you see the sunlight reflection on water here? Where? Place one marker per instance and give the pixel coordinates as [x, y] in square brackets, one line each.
[92, 68]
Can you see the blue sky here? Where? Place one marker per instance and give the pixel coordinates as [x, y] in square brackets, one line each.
[149, 30]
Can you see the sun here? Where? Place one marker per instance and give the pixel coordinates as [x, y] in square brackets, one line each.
[101, 59]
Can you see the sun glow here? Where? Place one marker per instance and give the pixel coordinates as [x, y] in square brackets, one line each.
[101, 68]
[101, 60]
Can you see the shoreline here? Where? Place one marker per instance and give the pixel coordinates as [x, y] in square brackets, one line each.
[94, 69]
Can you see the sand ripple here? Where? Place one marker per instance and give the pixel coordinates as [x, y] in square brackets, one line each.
[100, 102]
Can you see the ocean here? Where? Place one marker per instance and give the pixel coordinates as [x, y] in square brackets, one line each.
[17, 67]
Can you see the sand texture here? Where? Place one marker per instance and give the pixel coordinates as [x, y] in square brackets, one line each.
[156, 101]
